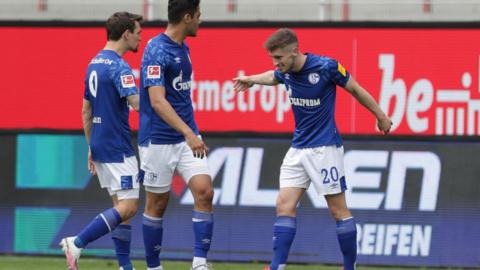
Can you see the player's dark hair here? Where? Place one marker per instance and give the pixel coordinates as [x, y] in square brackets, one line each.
[119, 22]
[280, 39]
[178, 8]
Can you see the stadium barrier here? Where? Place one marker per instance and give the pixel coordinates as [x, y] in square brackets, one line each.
[416, 202]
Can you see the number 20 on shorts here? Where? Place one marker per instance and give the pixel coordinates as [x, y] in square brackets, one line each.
[330, 175]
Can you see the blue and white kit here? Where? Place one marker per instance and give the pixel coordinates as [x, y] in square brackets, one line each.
[163, 149]
[108, 83]
[316, 153]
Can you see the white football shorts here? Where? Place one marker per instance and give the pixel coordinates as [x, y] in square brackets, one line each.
[119, 178]
[159, 162]
[321, 165]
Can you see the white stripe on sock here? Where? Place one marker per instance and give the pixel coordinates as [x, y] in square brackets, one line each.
[106, 222]
[152, 218]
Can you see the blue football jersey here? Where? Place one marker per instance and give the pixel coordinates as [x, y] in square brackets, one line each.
[108, 82]
[312, 93]
[165, 63]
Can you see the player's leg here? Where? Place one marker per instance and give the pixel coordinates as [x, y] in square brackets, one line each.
[156, 163]
[346, 229]
[293, 182]
[197, 173]
[115, 177]
[325, 167]
[285, 226]
[152, 225]
[122, 236]
[202, 218]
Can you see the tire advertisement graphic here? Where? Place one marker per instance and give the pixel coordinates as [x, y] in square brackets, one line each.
[416, 202]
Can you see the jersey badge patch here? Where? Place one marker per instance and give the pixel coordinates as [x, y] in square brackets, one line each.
[153, 72]
[127, 81]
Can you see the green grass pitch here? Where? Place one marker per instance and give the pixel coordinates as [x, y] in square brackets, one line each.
[54, 263]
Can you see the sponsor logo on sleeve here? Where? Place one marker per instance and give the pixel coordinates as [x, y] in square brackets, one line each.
[128, 81]
[153, 72]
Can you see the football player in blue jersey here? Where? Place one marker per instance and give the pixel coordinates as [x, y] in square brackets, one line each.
[169, 139]
[316, 153]
[109, 89]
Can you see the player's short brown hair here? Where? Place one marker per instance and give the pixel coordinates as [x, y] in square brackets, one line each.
[119, 22]
[280, 39]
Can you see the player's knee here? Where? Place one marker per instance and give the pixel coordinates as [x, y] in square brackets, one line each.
[127, 208]
[130, 212]
[156, 206]
[159, 205]
[285, 207]
[205, 195]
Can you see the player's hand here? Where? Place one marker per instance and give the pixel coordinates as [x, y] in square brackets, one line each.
[199, 148]
[242, 83]
[384, 124]
[90, 164]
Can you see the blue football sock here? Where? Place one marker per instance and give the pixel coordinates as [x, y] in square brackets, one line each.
[121, 237]
[284, 231]
[152, 239]
[347, 238]
[202, 229]
[100, 225]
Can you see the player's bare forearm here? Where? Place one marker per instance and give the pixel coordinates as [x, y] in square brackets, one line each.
[168, 114]
[244, 82]
[165, 110]
[360, 94]
[87, 127]
[364, 98]
[87, 119]
[266, 78]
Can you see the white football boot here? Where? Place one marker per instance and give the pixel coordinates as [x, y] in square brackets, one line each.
[205, 266]
[72, 252]
[156, 268]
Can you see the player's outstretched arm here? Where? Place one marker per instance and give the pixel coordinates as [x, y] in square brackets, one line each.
[242, 83]
[134, 102]
[383, 122]
[163, 108]
[87, 119]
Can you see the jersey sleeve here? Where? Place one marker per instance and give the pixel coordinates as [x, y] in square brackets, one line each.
[86, 90]
[337, 73]
[88, 84]
[278, 76]
[154, 65]
[124, 80]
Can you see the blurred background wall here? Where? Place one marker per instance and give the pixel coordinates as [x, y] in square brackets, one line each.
[251, 10]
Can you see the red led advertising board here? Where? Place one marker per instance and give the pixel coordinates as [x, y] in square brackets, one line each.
[427, 79]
